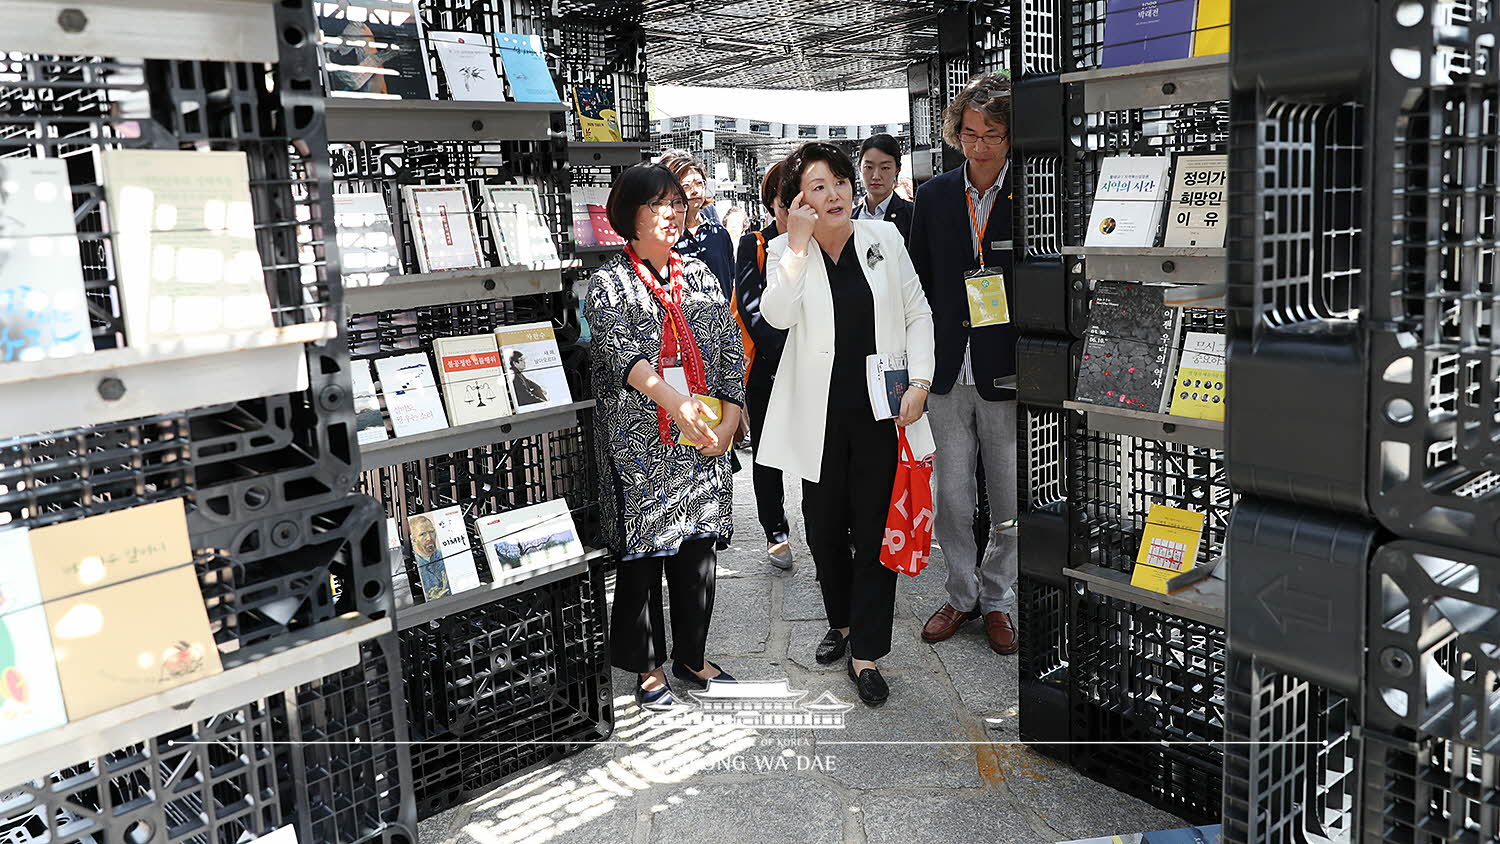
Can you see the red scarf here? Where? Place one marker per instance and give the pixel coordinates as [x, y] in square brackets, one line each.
[678, 346]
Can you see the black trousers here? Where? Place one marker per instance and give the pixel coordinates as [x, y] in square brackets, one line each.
[845, 512]
[769, 495]
[637, 629]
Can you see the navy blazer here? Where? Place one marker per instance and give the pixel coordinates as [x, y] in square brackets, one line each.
[898, 212]
[943, 252]
[712, 246]
[749, 285]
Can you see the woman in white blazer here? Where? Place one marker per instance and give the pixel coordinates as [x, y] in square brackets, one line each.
[843, 290]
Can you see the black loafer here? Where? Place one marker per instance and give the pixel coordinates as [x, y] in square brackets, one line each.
[872, 688]
[686, 675]
[658, 699]
[831, 649]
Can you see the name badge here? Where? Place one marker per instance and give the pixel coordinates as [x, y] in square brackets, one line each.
[676, 378]
[988, 304]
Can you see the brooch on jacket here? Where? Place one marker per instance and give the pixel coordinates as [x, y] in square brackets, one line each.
[873, 256]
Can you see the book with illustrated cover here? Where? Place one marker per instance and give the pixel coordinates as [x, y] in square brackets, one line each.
[400, 580]
[369, 252]
[440, 545]
[373, 49]
[604, 233]
[1130, 349]
[597, 118]
[473, 389]
[885, 376]
[184, 240]
[533, 366]
[526, 68]
[1141, 31]
[369, 422]
[526, 542]
[31, 699]
[1128, 200]
[1211, 36]
[1200, 188]
[468, 63]
[443, 229]
[1169, 546]
[522, 236]
[1198, 391]
[43, 311]
[584, 231]
[411, 395]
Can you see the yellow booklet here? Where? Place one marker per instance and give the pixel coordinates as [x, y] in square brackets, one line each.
[717, 409]
[1169, 546]
[1211, 36]
[1198, 392]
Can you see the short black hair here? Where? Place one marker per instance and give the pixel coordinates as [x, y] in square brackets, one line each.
[807, 155]
[637, 186]
[885, 143]
[771, 185]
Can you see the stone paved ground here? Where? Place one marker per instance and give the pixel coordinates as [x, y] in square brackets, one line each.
[933, 764]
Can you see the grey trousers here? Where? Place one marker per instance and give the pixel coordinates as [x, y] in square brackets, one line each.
[968, 428]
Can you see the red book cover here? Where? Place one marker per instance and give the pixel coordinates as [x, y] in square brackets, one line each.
[603, 231]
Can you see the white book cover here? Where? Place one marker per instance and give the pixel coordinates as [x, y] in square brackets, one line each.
[369, 422]
[443, 229]
[440, 544]
[400, 581]
[43, 311]
[369, 252]
[1199, 201]
[1128, 201]
[533, 366]
[885, 377]
[468, 62]
[410, 394]
[473, 389]
[522, 235]
[31, 699]
[184, 240]
[529, 541]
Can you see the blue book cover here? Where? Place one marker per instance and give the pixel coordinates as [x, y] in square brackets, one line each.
[1141, 31]
[895, 389]
[526, 69]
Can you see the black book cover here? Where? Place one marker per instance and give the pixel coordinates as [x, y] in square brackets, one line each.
[1129, 351]
[381, 60]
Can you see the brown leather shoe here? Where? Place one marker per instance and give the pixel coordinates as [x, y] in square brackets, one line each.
[945, 622]
[1003, 638]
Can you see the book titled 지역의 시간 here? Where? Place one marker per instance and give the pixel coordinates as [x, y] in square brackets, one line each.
[1128, 200]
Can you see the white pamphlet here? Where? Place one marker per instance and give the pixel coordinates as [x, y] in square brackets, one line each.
[468, 63]
[443, 229]
[1128, 201]
[43, 310]
[410, 394]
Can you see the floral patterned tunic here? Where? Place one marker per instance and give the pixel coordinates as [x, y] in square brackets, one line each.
[658, 496]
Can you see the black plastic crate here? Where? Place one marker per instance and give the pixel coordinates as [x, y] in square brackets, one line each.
[604, 51]
[1037, 37]
[1290, 759]
[1427, 791]
[1042, 616]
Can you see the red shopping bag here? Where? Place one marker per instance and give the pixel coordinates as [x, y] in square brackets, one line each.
[908, 525]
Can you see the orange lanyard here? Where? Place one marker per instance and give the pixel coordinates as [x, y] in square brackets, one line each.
[978, 232]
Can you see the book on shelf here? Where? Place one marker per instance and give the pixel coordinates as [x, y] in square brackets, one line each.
[43, 310]
[604, 233]
[1169, 546]
[369, 252]
[526, 68]
[1211, 31]
[468, 62]
[530, 541]
[411, 395]
[373, 49]
[1208, 295]
[885, 376]
[1128, 200]
[473, 389]
[521, 234]
[1130, 348]
[369, 421]
[1142, 31]
[400, 580]
[440, 546]
[1198, 391]
[1200, 187]
[598, 120]
[184, 237]
[533, 366]
[31, 698]
[443, 229]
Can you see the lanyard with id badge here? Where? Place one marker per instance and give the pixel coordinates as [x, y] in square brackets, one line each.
[984, 287]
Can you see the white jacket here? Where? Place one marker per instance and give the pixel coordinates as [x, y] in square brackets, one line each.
[798, 299]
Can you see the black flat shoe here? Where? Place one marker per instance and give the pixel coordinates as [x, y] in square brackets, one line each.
[831, 649]
[657, 700]
[872, 688]
[686, 675]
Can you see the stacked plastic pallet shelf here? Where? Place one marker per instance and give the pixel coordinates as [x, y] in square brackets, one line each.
[253, 432]
[1363, 308]
[1125, 683]
[509, 674]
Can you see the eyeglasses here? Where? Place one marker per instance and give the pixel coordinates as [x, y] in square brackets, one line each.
[679, 206]
[987, 140]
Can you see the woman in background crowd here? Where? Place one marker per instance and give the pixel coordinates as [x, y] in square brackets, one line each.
[749, 285]
[663, 338]
[844, 290]
[735, 223]
[702, 238]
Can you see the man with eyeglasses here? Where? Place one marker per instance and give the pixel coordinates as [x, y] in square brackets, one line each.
[960, 244]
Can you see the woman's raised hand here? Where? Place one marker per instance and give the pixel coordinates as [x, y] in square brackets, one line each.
[800, 219]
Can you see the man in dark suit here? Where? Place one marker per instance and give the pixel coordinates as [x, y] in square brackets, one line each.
[960, 238]
[879, 167]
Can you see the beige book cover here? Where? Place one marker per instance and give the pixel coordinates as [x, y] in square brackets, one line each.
[99, 551]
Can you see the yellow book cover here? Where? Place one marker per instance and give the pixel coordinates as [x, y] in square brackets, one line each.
[1169, 546]
[1199, 389]
[1211, 35]
[718, 416]
[597, 118]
